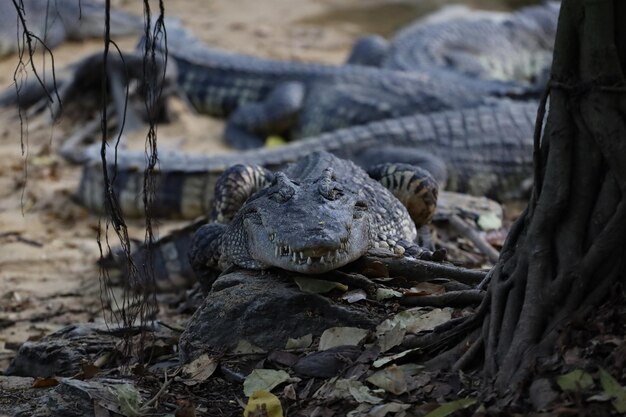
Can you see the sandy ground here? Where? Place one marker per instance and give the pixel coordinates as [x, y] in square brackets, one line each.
[48, 247]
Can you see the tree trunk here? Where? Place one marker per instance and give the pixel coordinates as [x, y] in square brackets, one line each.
[567, 250]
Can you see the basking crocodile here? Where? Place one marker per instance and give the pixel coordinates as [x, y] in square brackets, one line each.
[484, 150]
[486, 45]
[54, 21]
[295, 99]
[315, 215]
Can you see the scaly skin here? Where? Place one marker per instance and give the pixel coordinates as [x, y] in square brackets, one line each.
[486, 150]
[486, 45]
[293, 99]
[54, 21]
[316, 215]
[328, 96]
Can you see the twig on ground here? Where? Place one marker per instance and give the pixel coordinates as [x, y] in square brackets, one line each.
[449, 299]
[416, 269]
[451, 285]
[147, 406]
[470, 233]
[355, 280]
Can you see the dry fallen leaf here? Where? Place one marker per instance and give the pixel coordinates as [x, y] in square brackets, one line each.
[317, 286]
[300, 342]
[615, 390]
[354, 296]
[342, 336]
[385, 293]
[245, 347]
[263, 380]
[199, 370]
[263, 404]
[45, 382]
[390, 338]
[448, 408]
[392, 379]
[575, 381]
[425, 288]
[347, 389]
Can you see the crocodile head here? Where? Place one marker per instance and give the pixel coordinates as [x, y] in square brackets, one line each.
[308, 228]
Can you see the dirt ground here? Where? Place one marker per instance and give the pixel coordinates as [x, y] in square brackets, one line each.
[48, 248]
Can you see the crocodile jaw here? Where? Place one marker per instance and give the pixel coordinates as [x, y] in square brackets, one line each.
[305, 258]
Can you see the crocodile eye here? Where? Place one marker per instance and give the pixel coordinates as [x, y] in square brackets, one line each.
[251, 213]
[335, 193]
[360, 207]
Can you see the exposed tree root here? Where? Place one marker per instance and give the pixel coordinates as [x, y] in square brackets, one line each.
[567, 249]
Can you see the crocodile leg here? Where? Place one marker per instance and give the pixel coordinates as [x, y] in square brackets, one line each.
[369, 50]
[417, 190]
[248, 126]
[404, 155]
[205, 252]
[168, 259]
[163, 265]
[235, 186]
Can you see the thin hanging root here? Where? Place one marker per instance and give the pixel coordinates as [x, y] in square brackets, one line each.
[470, 233]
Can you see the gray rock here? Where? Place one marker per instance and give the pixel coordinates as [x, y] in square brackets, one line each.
[75, 398]
[265, 309]
[61, 353]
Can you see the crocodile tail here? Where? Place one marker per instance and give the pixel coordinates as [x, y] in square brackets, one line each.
[162, 266]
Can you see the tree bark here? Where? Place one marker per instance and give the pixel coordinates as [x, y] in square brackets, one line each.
[567, 249]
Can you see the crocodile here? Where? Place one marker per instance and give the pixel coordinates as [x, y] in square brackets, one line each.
[295, 99]
[54, 21]
[486, 150]
[513, 47]
[317, 214]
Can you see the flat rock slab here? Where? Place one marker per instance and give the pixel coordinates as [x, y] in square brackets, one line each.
[265, 309]
[61, 353]
[75, 398]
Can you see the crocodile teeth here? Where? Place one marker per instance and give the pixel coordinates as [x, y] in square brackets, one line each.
[309, 261]
[276, 251]
[301, 255]
[322, 259]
